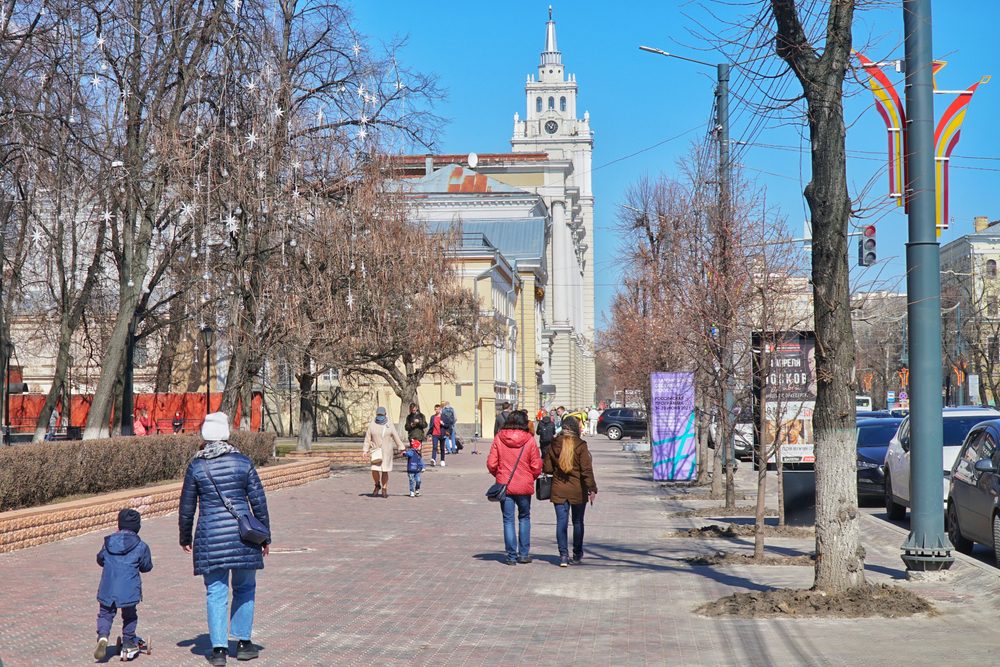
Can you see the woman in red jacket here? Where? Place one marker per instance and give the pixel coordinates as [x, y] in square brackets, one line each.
[512, 441]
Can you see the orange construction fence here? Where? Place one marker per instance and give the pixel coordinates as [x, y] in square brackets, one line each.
[25, 408]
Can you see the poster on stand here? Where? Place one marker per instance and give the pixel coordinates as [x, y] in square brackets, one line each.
[675, 445]
[784, 364]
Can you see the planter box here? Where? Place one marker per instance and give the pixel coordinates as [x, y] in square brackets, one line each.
[48, 523]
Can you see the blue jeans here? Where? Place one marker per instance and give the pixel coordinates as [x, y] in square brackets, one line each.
[414, 479]
[438, 441]
[563, 511]
[516, 544]
[240, 621]
[451, 442]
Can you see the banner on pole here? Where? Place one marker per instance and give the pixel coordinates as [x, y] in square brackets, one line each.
[675, 445]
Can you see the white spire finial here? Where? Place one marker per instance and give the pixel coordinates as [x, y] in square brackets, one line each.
[550, 56]
[550, 12]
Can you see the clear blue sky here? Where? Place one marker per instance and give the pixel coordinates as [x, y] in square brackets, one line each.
[484, 51]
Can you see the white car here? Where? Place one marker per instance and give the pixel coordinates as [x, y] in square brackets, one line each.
[957, 424]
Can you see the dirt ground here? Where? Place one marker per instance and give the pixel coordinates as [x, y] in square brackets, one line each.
[734, 531]
[723, 558]
[739, 510]
[862, 602]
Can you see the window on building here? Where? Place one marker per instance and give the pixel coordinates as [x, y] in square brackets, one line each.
[991, 305]
[991, 268]
[562, 107]
[538, 104]
[552, 103]
[994, 348]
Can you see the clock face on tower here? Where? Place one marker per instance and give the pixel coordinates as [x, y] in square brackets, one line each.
[551, 127]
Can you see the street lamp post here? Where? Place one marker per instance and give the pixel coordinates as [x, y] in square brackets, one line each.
[128, 411]
[7, 352]
[724, 344]
[208, 337]
[68, 408]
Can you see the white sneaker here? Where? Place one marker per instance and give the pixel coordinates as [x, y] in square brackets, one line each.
[412, 494]
[417, 493]
[432, 463]
[443, 464]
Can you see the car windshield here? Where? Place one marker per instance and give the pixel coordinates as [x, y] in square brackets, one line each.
[877, 434]
[956, 428]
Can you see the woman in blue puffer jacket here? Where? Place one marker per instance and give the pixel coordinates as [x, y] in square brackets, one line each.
[217, 547]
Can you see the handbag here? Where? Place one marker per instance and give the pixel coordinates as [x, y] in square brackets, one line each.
[376, 454]
[498, 492]
[543, 487]
[251, 528]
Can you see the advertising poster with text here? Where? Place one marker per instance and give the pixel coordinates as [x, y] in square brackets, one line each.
[790, 392]
[675, 447]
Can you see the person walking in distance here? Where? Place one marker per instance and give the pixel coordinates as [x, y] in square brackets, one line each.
[546, 431]
[519, 475]
[448, 423]
[416, 425]
[123, 557]
[568, 461]
[53, 425]
[501, 419]
[438, 437]
[379, 440]
[592, 416]
[557, 420]
[220, 552]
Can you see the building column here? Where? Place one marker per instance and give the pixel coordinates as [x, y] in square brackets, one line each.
[563, 263]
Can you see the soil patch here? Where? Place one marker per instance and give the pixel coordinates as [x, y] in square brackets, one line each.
[744, 510]
[723, 558]
[695, 495]
[734, 531]
[862, 602]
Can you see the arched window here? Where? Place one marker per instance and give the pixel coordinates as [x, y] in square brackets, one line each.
[538, 104]
[552, 103]
[562, 104]
[991, 268]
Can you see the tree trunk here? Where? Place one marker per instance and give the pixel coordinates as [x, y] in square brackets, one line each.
[717, 475]
[407, 395]
[307, 411]
[758, 524]
[821, 71]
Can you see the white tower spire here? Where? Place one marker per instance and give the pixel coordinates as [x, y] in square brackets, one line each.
[551, 55]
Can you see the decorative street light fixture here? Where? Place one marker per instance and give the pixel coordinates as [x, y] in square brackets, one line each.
[208, 337]
[68, 409]
[7, 351]
[128, 412]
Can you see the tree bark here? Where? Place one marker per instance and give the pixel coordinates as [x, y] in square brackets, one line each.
[307, 411]
[839, 554]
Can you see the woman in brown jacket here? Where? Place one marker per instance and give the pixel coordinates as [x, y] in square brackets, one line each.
[568, 461]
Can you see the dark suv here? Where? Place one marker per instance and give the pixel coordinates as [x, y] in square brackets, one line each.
[618, 422]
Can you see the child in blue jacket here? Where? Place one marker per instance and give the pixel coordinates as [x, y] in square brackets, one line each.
[414, 466]
[123, 557]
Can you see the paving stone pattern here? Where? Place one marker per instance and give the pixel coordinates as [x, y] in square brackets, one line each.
[420, 581]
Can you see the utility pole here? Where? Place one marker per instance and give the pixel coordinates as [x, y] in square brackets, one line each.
[927, 547]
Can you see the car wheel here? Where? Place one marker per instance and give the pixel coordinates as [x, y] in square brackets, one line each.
[615, 432]
[893, 510]
[996, 536]
[962, 544]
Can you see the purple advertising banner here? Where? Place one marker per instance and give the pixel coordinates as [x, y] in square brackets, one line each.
[675, 447]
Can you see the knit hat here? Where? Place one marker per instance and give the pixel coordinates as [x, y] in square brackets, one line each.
[380, 411]
[216, 427]
[129, 519]
[415, 444]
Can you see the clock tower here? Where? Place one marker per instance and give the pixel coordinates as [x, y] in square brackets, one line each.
[551, 126]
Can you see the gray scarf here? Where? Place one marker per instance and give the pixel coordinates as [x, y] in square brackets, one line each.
[214, 450]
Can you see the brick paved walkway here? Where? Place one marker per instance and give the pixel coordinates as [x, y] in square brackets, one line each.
[420, 582]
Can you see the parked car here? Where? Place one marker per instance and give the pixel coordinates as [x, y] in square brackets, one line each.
[971, 511]
[873, 441]
[742, 434]
[957, 424]
[619, 422]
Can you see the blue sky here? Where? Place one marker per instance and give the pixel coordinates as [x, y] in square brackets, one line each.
[484, 51]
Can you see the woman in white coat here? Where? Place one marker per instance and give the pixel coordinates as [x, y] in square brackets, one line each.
[379, 437]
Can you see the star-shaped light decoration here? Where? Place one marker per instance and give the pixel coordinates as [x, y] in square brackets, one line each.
[361, 90]
[188, 210]
[362, 133]
[232, 224]
[107, 216]
[357, 49]
[430, 286]
[319, 117]
[95, 81]
[363, 120]
[296, 194]
[36, 237]
[296, 165]
[350, 300]
[236, 5]
[261, 174]
[278, 112]
[252, 138]
[100, 41]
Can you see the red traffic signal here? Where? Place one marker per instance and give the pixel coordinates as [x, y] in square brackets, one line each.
[866, 246]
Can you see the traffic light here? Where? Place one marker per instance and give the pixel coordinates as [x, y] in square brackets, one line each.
[866, 246]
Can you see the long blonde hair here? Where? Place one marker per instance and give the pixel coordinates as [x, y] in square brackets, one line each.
[571, 428]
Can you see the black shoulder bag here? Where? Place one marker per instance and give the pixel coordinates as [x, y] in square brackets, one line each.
[251, 528]
[498, 492]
